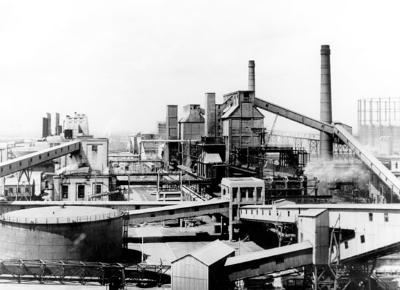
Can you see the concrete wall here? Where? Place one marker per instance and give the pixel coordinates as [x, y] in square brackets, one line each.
[90, 241]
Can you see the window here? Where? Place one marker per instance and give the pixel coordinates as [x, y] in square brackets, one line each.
[371, 216]
[250, 192]
[81, 191]
[19, 189]
[259, 190]
[98, 188]
[242, 193]
[64, 191]
[301, 237]
[362, 238]
[234, 193]
[288, 213]
[94, 148]
[386, 216]
[10, 190]
[27, 189]
[346, 244]
[269, 212]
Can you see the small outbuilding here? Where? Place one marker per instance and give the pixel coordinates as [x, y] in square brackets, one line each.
[202, 269]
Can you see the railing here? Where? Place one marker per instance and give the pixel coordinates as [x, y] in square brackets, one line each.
[82, 272]
[60, 220]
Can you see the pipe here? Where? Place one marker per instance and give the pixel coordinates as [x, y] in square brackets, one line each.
[252, 76]
[326, 140]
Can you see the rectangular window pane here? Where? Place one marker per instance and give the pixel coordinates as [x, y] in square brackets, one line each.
[234, 193]
[64, 191]
[81, 191]
[362, 238]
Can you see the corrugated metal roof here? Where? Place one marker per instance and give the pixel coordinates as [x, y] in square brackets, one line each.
[268, 253]
[211, 253]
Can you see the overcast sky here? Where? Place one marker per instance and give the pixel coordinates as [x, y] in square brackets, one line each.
[122, 62]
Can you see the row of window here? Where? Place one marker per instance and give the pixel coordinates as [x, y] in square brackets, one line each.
[80, 189]
[246, 192]
[385, 217]
[20, 189]
[362, 240]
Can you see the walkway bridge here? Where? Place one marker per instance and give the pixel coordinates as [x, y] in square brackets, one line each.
[338, 131]
[181, 210]
[362, 226]
[269, 261]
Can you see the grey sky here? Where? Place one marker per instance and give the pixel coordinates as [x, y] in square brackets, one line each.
[122, 62]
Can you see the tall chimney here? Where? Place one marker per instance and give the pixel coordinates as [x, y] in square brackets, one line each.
[49, 124]
[57, 124]
[45, 128]
[252, 76]
[326, 140]
[210, 119]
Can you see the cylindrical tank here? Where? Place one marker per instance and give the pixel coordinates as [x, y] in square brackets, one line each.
[61, 233]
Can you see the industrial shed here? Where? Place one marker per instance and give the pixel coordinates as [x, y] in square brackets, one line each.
[202, 269]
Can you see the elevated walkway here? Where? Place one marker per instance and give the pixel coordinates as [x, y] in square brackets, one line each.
[23, 162]
[269, 261]
[181, 210]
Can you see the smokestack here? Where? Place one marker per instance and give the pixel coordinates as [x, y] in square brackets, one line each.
[45, 128]
[252, 76]
[210, 120]
[57, 124]
[49, 124]
[326, 140]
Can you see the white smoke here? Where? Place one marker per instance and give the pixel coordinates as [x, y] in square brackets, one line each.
[337, 170]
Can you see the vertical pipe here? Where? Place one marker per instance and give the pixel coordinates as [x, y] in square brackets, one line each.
[252, 76]
[326, 143]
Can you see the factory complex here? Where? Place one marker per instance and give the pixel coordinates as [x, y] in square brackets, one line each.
[215, 199]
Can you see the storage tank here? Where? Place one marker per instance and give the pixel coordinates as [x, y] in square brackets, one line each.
[61, 233]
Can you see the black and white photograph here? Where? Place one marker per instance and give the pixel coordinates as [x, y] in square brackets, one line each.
[199, 145]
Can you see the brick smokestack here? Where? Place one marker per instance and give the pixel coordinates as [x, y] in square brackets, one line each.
[252, 76]
[326, 143]
[210, 118]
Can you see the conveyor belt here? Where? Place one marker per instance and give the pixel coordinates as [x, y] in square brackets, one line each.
[380, 170]
[14, 165]
[371, 162]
